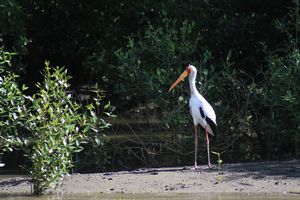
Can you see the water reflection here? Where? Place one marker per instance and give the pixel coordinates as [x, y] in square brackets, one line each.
[219, 196]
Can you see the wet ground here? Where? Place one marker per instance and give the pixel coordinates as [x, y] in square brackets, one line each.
[176, 196]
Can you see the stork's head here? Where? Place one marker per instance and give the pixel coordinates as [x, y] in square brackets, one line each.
[189, 70]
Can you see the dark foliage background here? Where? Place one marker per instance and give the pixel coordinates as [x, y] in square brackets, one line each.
[246, 53]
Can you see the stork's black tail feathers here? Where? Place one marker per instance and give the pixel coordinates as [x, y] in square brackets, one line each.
[212, 125]
[210, 122]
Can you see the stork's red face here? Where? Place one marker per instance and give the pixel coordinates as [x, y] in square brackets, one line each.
[184, 74]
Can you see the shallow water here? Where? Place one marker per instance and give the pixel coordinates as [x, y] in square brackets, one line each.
[175, 196]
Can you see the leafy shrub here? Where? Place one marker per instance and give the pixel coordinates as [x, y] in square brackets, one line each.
[235, 94]
[96, 154]
[279, 126]
[53, 125]
[150, 62]
[13, 112]
[13, 31]
[57, 125]
[49, 126]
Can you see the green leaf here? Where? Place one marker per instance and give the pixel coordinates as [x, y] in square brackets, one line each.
[107, 106]
[77, 142]
[97, 140]
[24, 87]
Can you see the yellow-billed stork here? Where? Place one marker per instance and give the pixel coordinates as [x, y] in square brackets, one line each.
[202, 112]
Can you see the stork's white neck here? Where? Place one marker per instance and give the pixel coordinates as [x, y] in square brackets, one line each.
[192, 81]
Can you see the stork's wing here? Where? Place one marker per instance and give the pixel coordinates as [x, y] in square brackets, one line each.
[203, 113]
[209, 115]
[210, 122]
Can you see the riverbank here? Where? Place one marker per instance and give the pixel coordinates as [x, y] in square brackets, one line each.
[274, 177]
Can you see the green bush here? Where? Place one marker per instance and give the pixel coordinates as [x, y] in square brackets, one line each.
[13, 111]
[57, 126]
[152, 60]
[50, 126]
[279, 126]
[53, 124]
[234, 95]
[96, 154]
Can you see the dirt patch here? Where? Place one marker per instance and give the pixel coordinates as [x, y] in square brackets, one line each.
[257, 177]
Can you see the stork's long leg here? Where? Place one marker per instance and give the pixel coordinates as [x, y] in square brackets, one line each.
[196, 145]
[207, 146]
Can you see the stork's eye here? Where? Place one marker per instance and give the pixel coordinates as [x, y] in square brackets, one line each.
[188, 69]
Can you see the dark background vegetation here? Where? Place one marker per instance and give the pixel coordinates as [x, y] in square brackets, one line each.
[246, 53]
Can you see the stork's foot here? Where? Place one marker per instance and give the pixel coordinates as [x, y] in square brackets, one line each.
[195, 167]
[210, 166]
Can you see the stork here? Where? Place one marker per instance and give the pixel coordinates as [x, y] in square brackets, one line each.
[201, 111]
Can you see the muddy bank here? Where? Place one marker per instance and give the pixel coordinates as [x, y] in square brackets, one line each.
[276, 177]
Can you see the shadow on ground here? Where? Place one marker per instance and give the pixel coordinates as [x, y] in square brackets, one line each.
[257, 170]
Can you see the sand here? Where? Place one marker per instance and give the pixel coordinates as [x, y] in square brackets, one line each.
[273, 177]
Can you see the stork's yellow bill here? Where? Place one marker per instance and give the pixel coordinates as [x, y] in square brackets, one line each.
[180, 78]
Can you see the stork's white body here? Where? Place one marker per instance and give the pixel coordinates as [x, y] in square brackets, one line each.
[202, 112]
[207, 119]
[197, 101]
